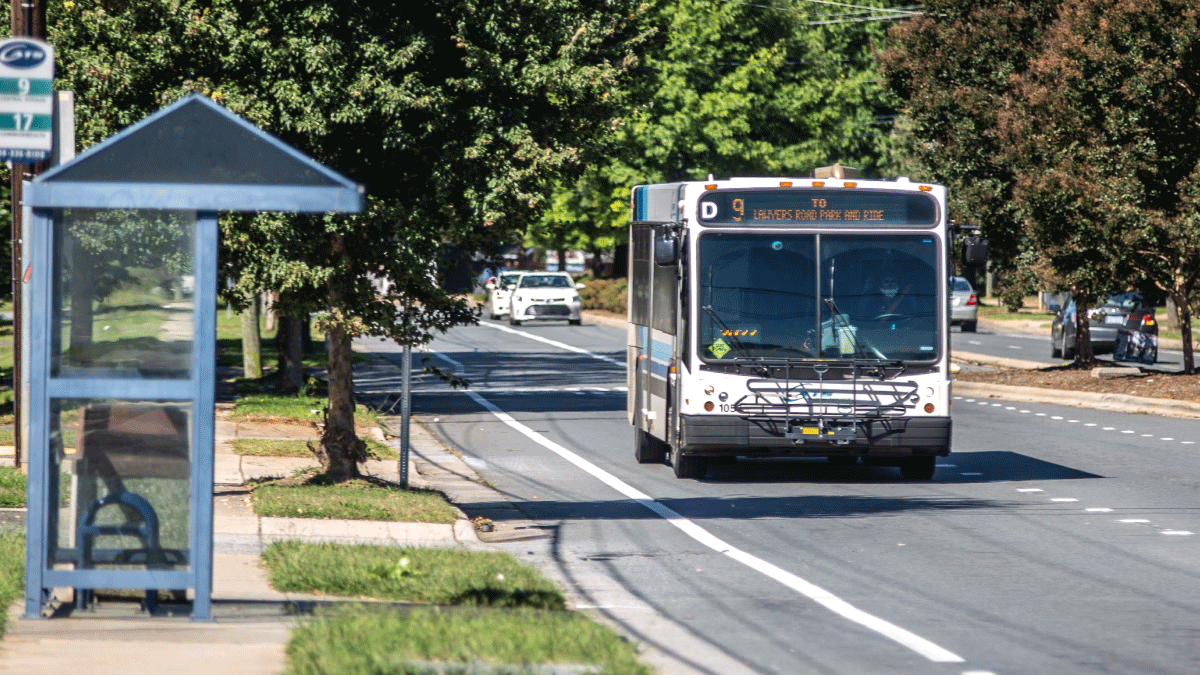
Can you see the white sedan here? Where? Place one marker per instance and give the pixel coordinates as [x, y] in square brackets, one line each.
[546, 295]
[501, 293]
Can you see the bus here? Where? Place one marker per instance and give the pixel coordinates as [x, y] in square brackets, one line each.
[804, 317]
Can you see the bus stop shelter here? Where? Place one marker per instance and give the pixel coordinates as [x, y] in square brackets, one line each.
[121, 298]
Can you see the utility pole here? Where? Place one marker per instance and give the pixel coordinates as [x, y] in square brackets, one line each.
[28, 20]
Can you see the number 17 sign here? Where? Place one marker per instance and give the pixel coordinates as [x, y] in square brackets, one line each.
[26, 99]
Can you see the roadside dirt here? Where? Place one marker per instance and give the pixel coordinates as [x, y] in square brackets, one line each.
[1141, 382]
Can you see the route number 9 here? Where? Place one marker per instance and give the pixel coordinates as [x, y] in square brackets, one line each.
[23, 86]
[740, 207]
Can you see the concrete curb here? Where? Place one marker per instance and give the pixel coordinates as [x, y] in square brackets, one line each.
[1080, 399]
[1001, 361]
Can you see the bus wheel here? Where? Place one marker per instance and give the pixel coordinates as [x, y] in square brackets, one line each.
[648, 449]
[918, 468]
[688, 466]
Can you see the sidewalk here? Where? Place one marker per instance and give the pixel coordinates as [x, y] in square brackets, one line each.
[251, 624]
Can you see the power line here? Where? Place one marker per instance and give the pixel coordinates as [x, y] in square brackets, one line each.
[891, 14]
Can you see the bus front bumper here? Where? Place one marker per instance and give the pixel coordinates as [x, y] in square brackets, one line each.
[892, 437]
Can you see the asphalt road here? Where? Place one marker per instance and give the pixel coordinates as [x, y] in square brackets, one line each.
[1054, 540]
[994, 340]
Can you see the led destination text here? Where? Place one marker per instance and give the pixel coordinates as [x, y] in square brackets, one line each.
[879, 209]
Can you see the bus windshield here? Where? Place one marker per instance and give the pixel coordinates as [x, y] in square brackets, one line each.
[844, 296]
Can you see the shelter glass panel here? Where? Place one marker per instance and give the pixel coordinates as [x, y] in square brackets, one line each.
[123, 294]
[120, 475]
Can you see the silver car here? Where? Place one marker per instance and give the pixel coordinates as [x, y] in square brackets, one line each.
[964, 305]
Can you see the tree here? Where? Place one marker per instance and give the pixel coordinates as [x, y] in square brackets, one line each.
[738, 89]
[953, 68]
[1111, 110]
[1072, 126]
[455, 118]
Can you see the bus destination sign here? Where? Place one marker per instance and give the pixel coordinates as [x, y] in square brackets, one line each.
[818, 208]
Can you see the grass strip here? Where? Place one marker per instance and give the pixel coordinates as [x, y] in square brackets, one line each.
[12, 571]
[279, 447]
[12, 488]
[351, 500]
[268, 407]
[431, 575]
[389, 640]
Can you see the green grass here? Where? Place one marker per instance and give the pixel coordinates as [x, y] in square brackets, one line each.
[12, 571]
[432, 575]
[12, 488]
[368, 639]
[267, 407]
[352, 500]
[277, 447]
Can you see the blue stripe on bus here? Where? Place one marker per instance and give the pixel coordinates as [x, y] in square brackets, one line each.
[660, 351]
[640, 208]
[659, 369]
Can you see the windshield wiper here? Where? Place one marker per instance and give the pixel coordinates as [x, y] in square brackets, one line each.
[729, 332]
[847, 330]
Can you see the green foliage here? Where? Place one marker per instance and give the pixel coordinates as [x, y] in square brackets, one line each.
[733, 89]
[455, 118]
[1068, 128]
[610, 295]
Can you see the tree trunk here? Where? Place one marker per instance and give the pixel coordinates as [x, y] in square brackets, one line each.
[1172, 313]
[1083, 336]
[341, 449]
[251, 341]
[1180, 296]
[291, 353]
[269, 302]
[82, 297]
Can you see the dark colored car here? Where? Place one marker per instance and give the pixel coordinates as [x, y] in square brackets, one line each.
[1123, 325]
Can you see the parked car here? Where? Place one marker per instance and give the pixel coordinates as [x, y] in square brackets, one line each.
[500, 293]
[964, 305]
[1124, 325]
[546, 295]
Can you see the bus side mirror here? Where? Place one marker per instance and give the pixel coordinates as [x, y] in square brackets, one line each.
[666, 250]
[975, 251]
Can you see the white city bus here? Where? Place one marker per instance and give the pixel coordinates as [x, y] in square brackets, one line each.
[790, 317]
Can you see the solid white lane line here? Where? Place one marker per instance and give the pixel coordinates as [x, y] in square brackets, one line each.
[815, 593]
[556, 343]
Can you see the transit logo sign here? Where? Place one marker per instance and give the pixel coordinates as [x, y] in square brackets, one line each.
[26, 99]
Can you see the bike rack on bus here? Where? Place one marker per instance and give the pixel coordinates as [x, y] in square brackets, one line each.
[828, 413]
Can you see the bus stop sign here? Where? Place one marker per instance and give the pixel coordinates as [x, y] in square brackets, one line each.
[26, 99]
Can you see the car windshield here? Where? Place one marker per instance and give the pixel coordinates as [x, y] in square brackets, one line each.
[545, 281]
[508, 280]
[842, 296]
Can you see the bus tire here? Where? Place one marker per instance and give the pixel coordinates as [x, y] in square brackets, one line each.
[688, 466]
[918, 468]
[648, 449]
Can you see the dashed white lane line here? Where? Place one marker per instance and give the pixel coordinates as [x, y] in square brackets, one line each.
[1099, 509]
[1064, 499]
[1060, 418]
[1133, 521]
[1176, 533]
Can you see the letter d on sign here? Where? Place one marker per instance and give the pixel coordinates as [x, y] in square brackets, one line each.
[708, 210]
